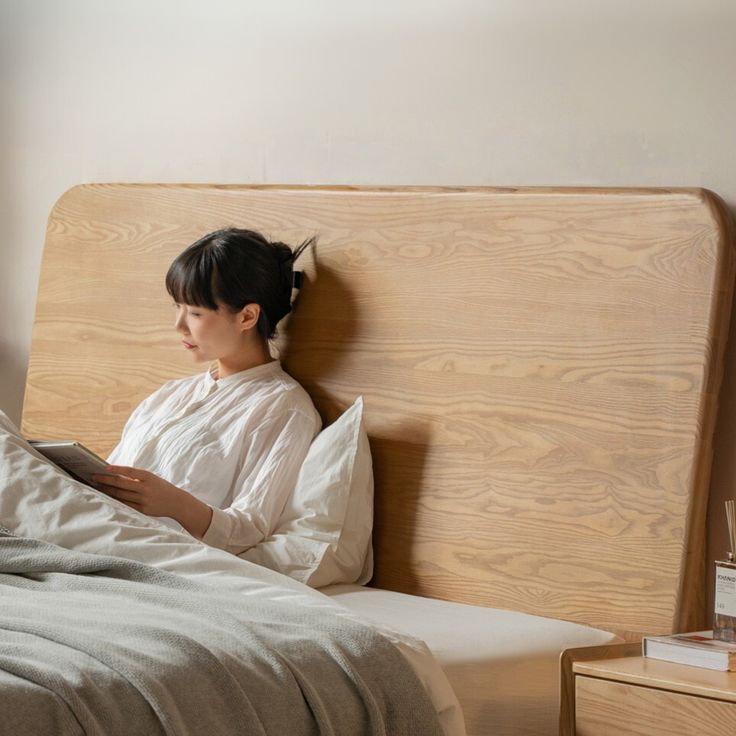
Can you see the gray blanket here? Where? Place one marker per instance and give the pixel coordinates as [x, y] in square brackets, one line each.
[91, 644]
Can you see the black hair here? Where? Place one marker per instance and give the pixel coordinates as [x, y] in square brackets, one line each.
[235, 267]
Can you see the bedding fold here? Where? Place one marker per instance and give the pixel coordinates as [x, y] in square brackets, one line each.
[84, 634]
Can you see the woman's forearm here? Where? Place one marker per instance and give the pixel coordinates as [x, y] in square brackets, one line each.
[194, 515]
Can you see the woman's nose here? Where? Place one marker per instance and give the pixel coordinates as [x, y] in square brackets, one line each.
[179, 321]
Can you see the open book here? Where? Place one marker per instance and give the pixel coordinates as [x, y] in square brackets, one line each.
[72, 457]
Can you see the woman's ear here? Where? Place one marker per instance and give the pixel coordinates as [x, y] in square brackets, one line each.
[248, 316]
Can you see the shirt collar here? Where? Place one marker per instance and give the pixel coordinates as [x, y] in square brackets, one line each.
[248, 374]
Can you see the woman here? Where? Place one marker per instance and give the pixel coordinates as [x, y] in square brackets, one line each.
[220, 452]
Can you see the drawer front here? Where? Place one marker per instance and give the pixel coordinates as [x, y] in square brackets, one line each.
[606, 708]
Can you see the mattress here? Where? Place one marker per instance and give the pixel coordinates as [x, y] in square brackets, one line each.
[502, 665]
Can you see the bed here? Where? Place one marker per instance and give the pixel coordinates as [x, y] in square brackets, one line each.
[539, 369]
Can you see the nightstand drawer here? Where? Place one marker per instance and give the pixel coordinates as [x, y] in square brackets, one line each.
[607, 708]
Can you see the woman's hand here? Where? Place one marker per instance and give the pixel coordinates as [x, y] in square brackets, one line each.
[151, 495]
[140, 489]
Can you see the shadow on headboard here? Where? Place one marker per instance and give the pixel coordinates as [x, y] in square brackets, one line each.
[397, 506]
[313, 326]
[312, 342]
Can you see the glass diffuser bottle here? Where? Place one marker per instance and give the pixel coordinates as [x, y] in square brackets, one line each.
[724, 613]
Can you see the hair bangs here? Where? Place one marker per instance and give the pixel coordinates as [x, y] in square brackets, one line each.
[189, 279]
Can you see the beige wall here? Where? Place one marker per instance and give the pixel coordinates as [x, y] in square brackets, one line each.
[501, 92]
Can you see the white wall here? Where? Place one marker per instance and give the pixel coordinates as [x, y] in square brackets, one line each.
[420, 91]
[498, 92]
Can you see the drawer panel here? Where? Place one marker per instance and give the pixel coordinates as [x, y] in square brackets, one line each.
[607, 708]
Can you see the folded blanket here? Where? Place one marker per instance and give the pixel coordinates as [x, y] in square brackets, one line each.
[95, 644]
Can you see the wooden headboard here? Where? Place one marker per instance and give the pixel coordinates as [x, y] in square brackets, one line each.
[540, 370]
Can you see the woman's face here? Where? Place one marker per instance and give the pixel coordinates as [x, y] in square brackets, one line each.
[209, 334]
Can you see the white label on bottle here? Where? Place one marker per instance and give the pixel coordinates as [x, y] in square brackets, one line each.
[726, 591]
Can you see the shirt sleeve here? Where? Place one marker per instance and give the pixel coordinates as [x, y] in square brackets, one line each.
[276, 450]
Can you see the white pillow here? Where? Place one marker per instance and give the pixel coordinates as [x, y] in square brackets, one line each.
[323, 536]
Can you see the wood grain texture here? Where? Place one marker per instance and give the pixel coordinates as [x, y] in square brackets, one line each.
[655, 673]
[540, 370]
[568, 660]
[606, 708]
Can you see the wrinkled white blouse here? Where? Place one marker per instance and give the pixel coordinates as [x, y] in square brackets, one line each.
[236, 443]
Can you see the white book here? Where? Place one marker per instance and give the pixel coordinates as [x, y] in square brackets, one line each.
[697, 648]
[72, 457]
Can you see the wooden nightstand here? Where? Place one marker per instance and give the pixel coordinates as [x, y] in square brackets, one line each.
[648, 697]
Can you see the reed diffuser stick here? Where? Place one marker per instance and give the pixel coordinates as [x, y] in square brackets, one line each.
[731, 520]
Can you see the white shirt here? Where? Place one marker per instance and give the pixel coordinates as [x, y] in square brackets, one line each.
[236, 443]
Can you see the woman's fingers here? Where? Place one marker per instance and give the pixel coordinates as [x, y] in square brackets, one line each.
[116, 481]
[120, 493]
[141, 490]
[135, 473]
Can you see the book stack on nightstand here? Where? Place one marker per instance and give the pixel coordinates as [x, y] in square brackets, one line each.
[698, 648]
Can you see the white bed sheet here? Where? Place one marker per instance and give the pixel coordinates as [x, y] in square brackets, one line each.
[37, 500]
[502, 665]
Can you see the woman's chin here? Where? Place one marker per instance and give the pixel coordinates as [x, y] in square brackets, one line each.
[198, 357]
